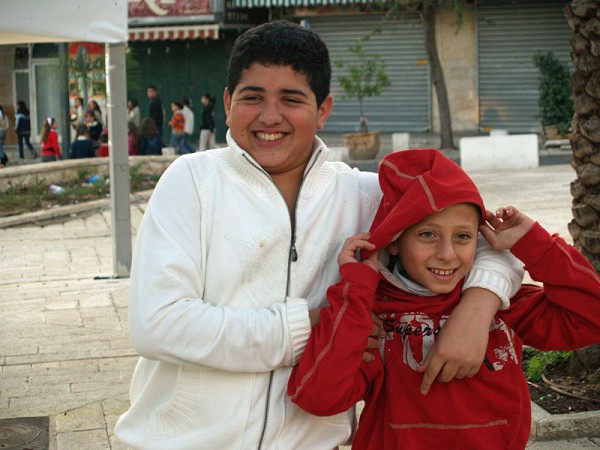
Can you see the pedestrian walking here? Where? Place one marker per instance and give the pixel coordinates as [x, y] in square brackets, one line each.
[188, 115]
[155, 109]
[207, 126]
[23, 130]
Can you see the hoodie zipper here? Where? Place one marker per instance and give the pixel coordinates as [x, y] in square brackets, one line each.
[292, 257]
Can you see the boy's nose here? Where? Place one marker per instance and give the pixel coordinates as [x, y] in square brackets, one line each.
[270, 114]
[445, 250]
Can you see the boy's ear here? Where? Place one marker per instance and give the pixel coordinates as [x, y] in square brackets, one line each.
[227, 103]
[393, 248]
[325, 111]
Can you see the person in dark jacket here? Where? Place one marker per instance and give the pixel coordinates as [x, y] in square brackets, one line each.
[155, 109]
[207, 126]
[23, 129]
[82, 146]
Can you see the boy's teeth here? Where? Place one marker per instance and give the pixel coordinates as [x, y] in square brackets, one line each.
[442, 272]
[269, 136]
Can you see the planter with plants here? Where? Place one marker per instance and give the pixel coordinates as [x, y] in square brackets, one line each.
[365, 77]
[556, 95]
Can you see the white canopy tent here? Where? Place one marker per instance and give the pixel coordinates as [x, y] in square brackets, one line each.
[101, 21]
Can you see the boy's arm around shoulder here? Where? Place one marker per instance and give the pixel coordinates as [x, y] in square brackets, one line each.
[330, 376]
[564, 314]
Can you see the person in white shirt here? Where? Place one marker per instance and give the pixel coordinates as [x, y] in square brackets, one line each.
[188, 117]
[133, 112]
[234, 255]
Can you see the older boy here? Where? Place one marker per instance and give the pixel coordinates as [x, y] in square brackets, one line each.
[236, 247]
[428, 220]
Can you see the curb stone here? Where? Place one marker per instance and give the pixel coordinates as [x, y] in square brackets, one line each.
[60, 212]
[549, 427]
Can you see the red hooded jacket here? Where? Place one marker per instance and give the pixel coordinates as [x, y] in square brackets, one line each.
[490, 410]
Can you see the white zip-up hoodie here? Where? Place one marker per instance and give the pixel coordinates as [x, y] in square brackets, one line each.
[221, 286]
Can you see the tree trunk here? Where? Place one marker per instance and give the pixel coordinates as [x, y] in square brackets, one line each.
[584, 228]
[437, 74]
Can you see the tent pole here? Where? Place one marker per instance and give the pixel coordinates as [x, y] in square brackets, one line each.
[116, 94]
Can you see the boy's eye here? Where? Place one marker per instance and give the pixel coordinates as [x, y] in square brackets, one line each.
[426, 234]
[250, 98]
[463, 236]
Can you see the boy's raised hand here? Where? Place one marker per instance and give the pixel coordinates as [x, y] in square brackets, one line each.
[504, 228]
[352, 245]
[348, 255]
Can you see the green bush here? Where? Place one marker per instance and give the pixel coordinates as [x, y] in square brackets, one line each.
[556, 93]
[535, 361]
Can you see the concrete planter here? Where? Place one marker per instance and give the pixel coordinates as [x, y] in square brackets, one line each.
[363, 145]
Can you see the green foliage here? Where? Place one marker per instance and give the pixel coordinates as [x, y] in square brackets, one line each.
[364, 78]
[535, 361]
[556, 93]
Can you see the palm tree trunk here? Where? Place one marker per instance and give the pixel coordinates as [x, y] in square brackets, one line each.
[585, 226]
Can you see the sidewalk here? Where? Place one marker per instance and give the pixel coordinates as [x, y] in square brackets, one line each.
[64, 347]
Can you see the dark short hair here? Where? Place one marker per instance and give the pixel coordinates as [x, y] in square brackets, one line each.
[282, 43]
[185, 101]
[82, 130]
[151, 86]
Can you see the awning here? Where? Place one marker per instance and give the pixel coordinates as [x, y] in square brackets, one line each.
[174, 33]
[296, 3]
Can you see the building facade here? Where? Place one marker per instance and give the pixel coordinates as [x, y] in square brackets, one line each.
[182, 47]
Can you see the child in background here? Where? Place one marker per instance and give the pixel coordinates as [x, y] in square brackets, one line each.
[82, 146]
[177, 123]
[428, 220]
[95, 128]
[49, 141]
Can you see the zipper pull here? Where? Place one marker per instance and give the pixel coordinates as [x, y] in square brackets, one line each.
[293, 253]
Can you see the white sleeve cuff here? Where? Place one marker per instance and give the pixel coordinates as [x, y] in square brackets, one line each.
[298, 326]
[492, 282]
[497, 271]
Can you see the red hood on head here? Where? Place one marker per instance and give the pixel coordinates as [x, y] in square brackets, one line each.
[415, 184]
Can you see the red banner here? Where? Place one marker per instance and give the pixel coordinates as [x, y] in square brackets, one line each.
[168, 8]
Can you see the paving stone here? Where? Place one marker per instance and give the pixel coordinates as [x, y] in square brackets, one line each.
[88, 417]
[89, 440]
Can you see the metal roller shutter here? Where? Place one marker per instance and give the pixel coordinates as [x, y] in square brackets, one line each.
[509, 35]
[406, 104]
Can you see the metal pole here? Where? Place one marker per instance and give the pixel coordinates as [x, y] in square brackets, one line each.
[116, 94]
[65, 117]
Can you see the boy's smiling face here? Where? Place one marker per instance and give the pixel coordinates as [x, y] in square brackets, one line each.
[438, 251]
[273, 115]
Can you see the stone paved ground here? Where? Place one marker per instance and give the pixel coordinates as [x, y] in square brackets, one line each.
[64, 348]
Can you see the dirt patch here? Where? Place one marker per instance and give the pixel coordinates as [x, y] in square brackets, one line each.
[561, 393]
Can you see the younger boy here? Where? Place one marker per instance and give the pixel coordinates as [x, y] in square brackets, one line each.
[428, 219]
